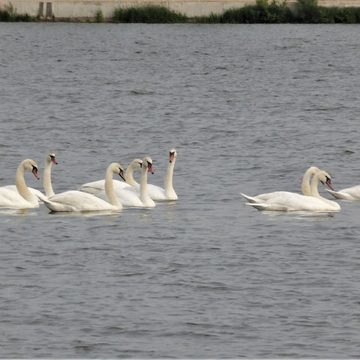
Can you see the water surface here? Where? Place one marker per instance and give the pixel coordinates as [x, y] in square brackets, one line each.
[248, 108]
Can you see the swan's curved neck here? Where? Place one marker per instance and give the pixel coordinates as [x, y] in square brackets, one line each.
[168, 181]
[47, 179]
[109, 188]
[20, 183]
[129, 176]
[314, 186]
[144, 195]
[305, 184]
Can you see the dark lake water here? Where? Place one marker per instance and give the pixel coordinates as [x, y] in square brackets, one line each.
[248, 108]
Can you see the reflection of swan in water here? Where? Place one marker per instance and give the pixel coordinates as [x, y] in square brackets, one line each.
[23, 198]
[95, 187]
[305, 188]
[351, 193]
[107, 213]
[17, 212]
[158, 193]
[288, 201]
[78, 201]
[36, 194]
[130, 196]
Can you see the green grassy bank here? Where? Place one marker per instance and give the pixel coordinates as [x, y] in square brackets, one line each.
[263, 12]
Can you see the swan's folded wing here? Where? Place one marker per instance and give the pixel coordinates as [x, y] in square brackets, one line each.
[265, 206]
[129, 197]
[57, 206]
[13, 200]
[157, 193]
[38, 195]
[263, 198]
[96, 187]
[93, 187]
[77, 201]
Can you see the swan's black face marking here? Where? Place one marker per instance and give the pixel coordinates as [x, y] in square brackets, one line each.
[328, 183]
[35, 171]
[121, 174]
[150, 168]
[53, 159]
[140, 164]
[171, 156]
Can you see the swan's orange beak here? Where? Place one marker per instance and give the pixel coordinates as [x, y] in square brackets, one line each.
[150, 168]
[35, 171]
[171, 157]
[54, 161]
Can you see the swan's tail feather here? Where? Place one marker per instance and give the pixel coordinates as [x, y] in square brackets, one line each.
[48, 204]
[41, 197]
[55, 207]
[250, 199]
[338, 194]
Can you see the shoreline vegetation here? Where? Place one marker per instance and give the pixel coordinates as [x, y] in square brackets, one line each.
[263, 12]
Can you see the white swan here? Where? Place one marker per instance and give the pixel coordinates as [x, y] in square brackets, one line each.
[50, 159]
[288, 201]
[305, 188]
[78, 201]
[130, 196]
[158, 193]
[351, 193]
[23, 198]
[95, 187]
[38, 195]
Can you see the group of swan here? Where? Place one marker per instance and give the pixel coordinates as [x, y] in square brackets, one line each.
[311, 200]
[102, 195]
[148, 192]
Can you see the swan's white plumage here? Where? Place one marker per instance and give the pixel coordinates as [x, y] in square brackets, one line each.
[288, 201]
[22, 198]
[78, 201]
